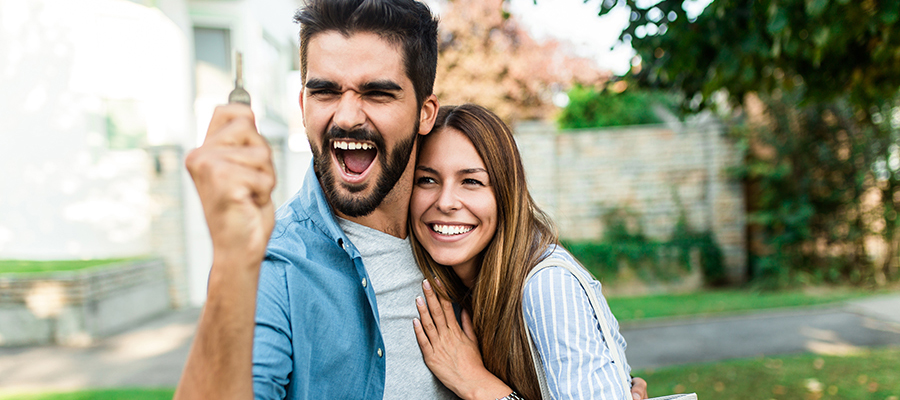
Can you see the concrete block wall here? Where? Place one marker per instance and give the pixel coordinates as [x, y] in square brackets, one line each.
[74, 308]
[178, 232]
[655, 172]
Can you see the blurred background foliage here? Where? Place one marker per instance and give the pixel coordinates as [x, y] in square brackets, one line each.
[624, 245]
[809, 87]
[613, 105]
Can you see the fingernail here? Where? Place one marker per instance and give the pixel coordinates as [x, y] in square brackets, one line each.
[419, 301]
[426, 284]
[438, 281]
[636, 396]
[416, 323]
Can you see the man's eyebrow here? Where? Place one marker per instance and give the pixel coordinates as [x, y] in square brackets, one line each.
[382, 85]
[321, 84]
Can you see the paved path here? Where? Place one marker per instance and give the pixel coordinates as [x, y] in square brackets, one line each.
[832, 330]
[153, 354]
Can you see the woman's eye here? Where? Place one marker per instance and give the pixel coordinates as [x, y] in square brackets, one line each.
[424, 180]
[470, 181]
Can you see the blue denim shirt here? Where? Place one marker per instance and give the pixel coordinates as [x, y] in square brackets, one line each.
[317, 331]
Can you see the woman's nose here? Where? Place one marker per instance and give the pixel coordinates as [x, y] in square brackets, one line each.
[448, 200]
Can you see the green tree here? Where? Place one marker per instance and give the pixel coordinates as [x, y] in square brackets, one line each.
[836, 48]
[814, 83]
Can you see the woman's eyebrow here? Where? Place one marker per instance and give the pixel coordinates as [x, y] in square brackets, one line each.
[472, 170]
[426, 169]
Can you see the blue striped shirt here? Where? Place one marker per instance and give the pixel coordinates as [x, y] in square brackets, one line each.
[567, 334]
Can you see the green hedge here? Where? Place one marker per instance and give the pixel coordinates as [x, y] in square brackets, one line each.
[589, 107]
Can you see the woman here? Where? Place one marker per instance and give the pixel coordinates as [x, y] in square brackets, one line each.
[476, 235]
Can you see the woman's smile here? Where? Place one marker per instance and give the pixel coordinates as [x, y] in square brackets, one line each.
[450, 229]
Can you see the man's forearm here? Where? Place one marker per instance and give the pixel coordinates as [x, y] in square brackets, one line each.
[220, 362]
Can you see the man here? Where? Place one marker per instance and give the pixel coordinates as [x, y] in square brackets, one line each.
[368, 69]
[333, 290]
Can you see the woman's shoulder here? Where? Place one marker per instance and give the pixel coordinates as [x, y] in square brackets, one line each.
[555, 276]
[557, 262]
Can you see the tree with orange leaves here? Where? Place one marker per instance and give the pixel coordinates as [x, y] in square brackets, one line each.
[487, 58]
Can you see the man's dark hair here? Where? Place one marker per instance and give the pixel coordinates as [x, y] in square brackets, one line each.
[407, 23]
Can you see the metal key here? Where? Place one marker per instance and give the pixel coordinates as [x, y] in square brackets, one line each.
[239, 95]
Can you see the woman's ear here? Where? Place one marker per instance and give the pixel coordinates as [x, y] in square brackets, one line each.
[428, 114]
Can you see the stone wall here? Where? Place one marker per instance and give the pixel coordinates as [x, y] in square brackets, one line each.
[167, 228]
[74, 308]
[653, 172]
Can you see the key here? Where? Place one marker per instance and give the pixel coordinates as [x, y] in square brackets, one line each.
[239, 95]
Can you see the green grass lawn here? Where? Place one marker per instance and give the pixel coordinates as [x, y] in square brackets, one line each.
[100, 394]
[872, 375]
[727, 301]
[37, 267]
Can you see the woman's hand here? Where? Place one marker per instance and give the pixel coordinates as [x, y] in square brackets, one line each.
[638, 388]
[452, 352]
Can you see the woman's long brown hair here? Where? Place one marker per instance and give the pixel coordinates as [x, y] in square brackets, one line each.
[523, 234]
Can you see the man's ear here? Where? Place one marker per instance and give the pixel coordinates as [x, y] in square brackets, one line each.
[302, 110]
[428, 114]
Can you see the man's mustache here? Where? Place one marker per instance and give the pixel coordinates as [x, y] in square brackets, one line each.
[356, 134]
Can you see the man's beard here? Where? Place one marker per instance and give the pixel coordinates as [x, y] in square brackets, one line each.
[353, 205]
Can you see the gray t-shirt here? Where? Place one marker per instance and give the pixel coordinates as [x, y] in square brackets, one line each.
[397, 281]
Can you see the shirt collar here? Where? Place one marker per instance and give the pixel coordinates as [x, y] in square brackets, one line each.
[314, 204]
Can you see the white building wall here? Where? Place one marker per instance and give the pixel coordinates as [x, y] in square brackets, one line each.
[263, 30]
[65, 193]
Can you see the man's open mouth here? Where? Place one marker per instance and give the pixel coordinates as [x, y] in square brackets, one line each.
[355, 157]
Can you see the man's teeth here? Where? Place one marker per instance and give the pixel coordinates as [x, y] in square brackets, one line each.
[352, 145]
[451, 229]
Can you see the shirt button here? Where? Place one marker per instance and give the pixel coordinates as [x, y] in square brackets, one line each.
[380, 353]
[365, 282]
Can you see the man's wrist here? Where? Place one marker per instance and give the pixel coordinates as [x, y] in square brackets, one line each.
[233, 273]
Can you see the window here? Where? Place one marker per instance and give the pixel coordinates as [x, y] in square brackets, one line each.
[213, 46]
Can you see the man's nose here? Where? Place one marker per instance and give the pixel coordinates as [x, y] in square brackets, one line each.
[349, 114]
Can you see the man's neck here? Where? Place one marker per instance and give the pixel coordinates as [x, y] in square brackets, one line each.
[390, 216]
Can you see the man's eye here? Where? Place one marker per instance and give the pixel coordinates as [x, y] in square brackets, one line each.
[380, 94]
[323, 92]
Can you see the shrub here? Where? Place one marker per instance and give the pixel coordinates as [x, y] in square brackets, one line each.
[592, 108]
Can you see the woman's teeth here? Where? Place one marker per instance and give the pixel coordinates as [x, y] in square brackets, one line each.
[343, 145]
[451, 229]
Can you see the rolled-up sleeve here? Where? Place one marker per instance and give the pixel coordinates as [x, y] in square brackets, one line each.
[272, 351]
[568, 337]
